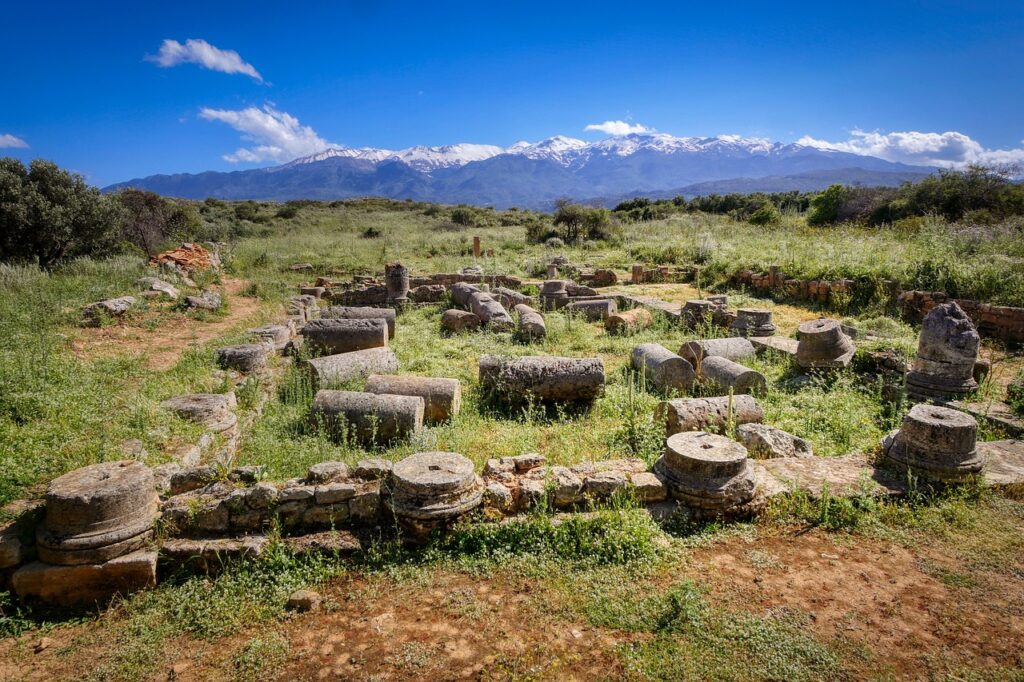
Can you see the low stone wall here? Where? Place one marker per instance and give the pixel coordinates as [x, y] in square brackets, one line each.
[994, 321]
[662, 274]
[821, 291]
[364, 291]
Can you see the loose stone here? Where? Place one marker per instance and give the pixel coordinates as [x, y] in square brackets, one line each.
[208, 300]
[336, 369]
[331, 336]
[704, 414]
[593, 311]
[367, 417]
[442, 397]
[823, 345]
[94, 313]
[662, 368]
[629, 321]
[247, 357]
[531, 323]
[274, 336]
[733, 348]
[753, 322]
[341, 312]
[725, 375]
[459, 320]
[555, 379]
[763, 441]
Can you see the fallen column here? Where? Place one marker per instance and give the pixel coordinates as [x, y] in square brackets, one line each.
[454, 320]
[732, 348]
[662, 368]
[334, 369]
[491, 313]
[708, 414]
[724, 374]
[461, 293]
[550, 379]
[509, 298]
[344, 336]
[342, 312]
[247, 357]
[275, 336]
[442, 397]
[937, 443]
[531, 323]
[367, 417]
[594, 310]
[628, 321]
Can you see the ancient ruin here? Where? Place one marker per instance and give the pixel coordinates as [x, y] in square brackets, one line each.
[946, 355]
[936, 443]
[823, 345]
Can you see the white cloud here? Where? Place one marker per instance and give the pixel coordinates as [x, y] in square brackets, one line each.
[618, 128]
[173, 53]
[946, 150]
[10, 141]
[278, 136]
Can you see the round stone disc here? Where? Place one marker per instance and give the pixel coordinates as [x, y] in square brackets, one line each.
[701, 454]
[100, 498]
[433, 473]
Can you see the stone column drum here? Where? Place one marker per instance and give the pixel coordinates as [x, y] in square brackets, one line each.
[710, 474]
[699, 414]
[432, 490]
[369, 417]
[627, 321]
[946, 353]
[662, 368]
[345, 336]
[697, 312]
[595, 310]
[753, 322]
[543, 378]
[554, 294]
[396, 279]
[937, 443]
[442, 397]
[724, 374]
[732, 348]
[344, 312]
[823, 345]
[531, 323]
[98, 513]
[336, 369]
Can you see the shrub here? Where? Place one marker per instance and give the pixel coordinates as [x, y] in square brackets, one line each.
[48, 214]
[287, 211]
[554, 243]
[766, 215]
[247, 210]
[150, 220]
[825, 207]
[463, 215]
[576, 222]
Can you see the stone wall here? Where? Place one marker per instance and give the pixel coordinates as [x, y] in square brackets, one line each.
[662, 274]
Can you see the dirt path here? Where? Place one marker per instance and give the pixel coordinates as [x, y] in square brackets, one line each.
[163, 334]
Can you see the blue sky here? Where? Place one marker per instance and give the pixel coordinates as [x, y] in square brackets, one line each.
[94, 87]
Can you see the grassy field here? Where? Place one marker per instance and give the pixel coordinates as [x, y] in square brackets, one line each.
[930, 587]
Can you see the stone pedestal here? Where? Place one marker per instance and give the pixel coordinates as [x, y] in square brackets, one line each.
[753, 322]
[431, 490]
[396, 279]
[698, 312]
[823, 345]
[946, 354]
[554, 293]
[709, 473]
[936, 443]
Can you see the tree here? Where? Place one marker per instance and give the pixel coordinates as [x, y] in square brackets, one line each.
[825, 207]
[576, 222]
[48, 214]
[150, 220]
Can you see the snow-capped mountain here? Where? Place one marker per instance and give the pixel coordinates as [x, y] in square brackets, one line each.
[536, 174]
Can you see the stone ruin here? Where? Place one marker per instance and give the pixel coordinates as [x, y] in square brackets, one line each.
[936, 443]
[946, 355]
[753, 322]
[823, 345]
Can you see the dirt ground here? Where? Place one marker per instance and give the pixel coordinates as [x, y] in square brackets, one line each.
[874, 596]
[160, 336]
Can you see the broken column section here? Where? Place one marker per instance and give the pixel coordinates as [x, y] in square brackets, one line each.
[823, 345]
[541, 378]
[936, 443]
[946, 353]
[431, 491]
[710, 474]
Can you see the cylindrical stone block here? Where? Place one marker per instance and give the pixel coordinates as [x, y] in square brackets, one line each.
[459, 320]
[461, 291]
[724, 374]
[344, 336]
[626, 321]
[343, 312]
[705, 414]
[938, 443]
[442, 397]
[490, 312]
[97, 513]
[753, 322]
[823, 345]
[554, 294]
[552, 271]
[551, 379]
[732, 348]
[509, 298]
[946, 355]
[335, 369]
[531, 322]
[247, 357]
[396, 279]
[707, 471]
[275, 336]
[698, 311]
[430, 490]
[718, 300]
[368, 417]
[662, 368]
[595, 310]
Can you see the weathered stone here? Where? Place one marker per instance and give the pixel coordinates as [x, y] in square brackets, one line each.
[365, 505]
[459, 320]
[341, 312]
[554, 294]
[97, 513]
[702, 414]
[428, 293]
[85, 584]
[498, 496]
[937, 443]
[315, 292]
[665, 370]
[509, 298]
[461, 293]
[375, 469]
[332, 336]
[491, 313]
[542, 378]
[532, 493]
[367, 417]
[647, 487]
[528, 462]
[946, 355]
[336, 369]
[247, 474]
[628, 321]
[210, 409]
[332, 493]
[732, 348]
[325, 515]
[706, 471]
[531, 323]
[396, 278]
[605, 484]
[496, 466]
[303, 601]
[261, 496]
[724, 375]
[159, 286]
[823, 345]
[753, 322]
[296, 493]
[95, 313]
[593, 311]
[208, 300]
[442, 397]
[698, 312]
[192, 478]
[247, 357]
[567, 487]
[766, 442]
[325, 472]
[627, 466]
[274, 336]
[211, 555]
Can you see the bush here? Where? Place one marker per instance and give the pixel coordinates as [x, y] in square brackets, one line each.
[150, 220]
[49, 215]
[576, 222]
[766, 215]
[825, 207]
[247, 210]
[463, 215]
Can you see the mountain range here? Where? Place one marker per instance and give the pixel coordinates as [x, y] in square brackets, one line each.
[535, 175]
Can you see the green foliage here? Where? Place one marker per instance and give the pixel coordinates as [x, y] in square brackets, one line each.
[150, 220]
[825, 207]
[463, 215]
[767, 214]
[1015, 394]
[48, 215]
[576, 223]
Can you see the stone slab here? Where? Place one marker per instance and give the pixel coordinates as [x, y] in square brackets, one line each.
[995, 412]
[1004, 462]
[88, 584]
[846, 476]
[782, 344]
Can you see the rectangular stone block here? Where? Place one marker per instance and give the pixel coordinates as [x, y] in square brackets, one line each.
[87, 584]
